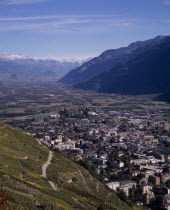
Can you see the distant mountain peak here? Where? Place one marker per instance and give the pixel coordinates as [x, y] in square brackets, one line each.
[82, 59]
[7, 56]
[70, 59]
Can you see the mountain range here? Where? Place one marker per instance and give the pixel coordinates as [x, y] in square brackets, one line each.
[141, 68]
[30, 69]
[106, 61]
[147, 72]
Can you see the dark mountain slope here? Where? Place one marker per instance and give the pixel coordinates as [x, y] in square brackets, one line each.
[105, 61]
[146, 72]
[164, 96]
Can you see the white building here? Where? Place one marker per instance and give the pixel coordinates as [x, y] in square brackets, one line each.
[113, 185]
[46, 138]
[146, 188]
[69, 145]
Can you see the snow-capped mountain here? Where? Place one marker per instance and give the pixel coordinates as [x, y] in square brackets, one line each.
[29, 69]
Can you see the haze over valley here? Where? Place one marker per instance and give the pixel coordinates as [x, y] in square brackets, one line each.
[85, 105]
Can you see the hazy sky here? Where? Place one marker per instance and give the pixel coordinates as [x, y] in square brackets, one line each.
[73, 28]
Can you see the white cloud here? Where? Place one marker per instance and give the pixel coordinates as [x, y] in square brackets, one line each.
[166, 21]
[65, 23]
[27, 18]
[166, 2]
[20, 2]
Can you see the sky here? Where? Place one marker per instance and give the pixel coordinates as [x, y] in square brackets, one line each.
[78, 28]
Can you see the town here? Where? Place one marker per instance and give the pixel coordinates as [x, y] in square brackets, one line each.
[124, 145]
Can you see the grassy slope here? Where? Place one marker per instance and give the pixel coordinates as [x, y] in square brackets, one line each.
[21, 158]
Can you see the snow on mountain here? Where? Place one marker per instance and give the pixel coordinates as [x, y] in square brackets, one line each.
[81, 60]
[32, 69]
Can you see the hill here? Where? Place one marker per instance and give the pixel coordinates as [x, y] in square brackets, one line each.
[105, 62]
[147, 72]
[62, 184]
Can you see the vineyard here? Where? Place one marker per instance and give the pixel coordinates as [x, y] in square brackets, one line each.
[23, 187]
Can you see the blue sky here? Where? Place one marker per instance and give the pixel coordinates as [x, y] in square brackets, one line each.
[77, 28]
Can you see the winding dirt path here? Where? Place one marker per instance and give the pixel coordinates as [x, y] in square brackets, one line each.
[44, 170]
[45, 166]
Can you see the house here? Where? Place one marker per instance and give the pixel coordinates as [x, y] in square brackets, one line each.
[46, 138]
[120, 153]
[120, 164]
[139, 161]
[152, 169]
[125, 189]
[98, 161]
[113, 185]
[71, 120]
[116, 164]
[92, 113]
[167, 126]
[148, 196]
[126, 186]
[165, 177]
[155, 180]
[146, 188]
[69, 145]
[166, 202]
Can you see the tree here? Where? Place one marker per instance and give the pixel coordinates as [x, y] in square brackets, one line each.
[122, 196]
[101, 207]
[168, 183]
[132, 193]
[138, 194]
[157, 203]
